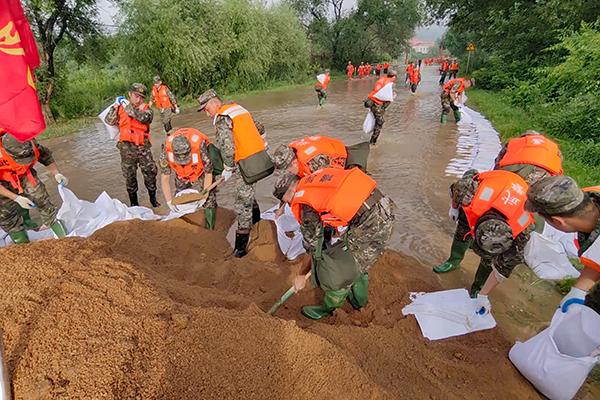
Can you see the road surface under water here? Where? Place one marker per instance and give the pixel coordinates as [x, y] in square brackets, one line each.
[410, 163]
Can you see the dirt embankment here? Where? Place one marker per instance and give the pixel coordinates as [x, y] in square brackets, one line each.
[149, 310]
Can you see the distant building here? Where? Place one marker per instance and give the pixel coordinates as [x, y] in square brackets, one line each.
[421, 46]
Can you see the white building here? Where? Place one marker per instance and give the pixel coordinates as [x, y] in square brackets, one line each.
[420, 46]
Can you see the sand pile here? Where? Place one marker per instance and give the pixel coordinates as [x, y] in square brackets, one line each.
[151, 310]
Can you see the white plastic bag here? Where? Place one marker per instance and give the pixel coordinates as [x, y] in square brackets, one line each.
[321, 78]
[386, 93]
[113, 131]
[369, 124]
[548, 258]
[289, 237]
[566, 239]
[558, 360]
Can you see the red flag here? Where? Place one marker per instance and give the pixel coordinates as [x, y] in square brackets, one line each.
[20, 110]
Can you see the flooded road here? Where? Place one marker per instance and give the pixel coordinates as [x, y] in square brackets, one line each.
[414, 161]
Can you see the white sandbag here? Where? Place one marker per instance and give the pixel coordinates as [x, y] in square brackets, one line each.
[447, 313]
[321, 78]
[558, 360]
[113, 131]
[289, 237]
[548, 258]
[566, 239]
[369, 124]
[386, 93]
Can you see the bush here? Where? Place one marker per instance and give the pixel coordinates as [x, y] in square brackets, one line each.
[575, 118]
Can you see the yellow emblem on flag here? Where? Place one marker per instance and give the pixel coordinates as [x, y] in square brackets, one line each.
[9, 42]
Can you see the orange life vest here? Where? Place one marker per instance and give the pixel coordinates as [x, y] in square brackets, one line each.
[449, 84]
[445, 66]
[381, 82]
[132, 130]
[309, 147]
[12, 172]
[160, 96]
[386, 66]
[325, 82]
[246, 138]
[414, 76]
[535, 150]
[410, 68]
[454, 67]
[195, 168]
[335, 194]
[504, 192]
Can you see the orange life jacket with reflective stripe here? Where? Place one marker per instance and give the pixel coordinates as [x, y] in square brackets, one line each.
[449, 84]
[246, 138]
[195, 168]
[504, 192]
[325, 82]
[12, 172]
[454, 67]
[160, 96]
[309, 147]
[381, 82]
[335, 194]
[132, 130]
[535, 150]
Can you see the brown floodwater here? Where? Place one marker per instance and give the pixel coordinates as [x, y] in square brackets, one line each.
[409, 163]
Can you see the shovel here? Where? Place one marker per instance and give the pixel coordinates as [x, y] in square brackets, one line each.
[189, 198]
[286, 296]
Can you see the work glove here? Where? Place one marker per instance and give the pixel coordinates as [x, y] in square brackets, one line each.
[575, 296]
[453, 213]
[201, 203]
[24, 202]
[121, 101]
[227, 173]
[61, 179]
[176, 109]
[172, 206]
[482, 305]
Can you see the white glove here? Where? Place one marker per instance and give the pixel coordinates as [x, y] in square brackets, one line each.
[227, 174]
[24, 202]
[176, 110]
[453, 213]
[575, 296]
[482, 305]
[172, 206]
[61, 179]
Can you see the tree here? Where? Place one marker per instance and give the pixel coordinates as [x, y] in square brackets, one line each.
[52, 22]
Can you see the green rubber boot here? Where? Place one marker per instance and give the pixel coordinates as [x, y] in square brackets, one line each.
[457, 115]
[59, 229]
[457, 254]
[359, 292]
[19, 237]
[444, 118]
[333, 299]
[483, 272]
[210, 217]
[27, 221]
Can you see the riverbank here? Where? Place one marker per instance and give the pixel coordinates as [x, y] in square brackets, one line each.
[511, 121]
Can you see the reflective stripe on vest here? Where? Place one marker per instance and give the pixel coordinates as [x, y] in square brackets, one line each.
[533, 150]
[449, 84]
[504, 192]
[161, 97]
[246, 138]
[195, 168]
[12, 172]
[132, 130]
[312, 146]
[335, 194]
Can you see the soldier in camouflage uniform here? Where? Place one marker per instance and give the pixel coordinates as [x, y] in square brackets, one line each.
[133, 118]
[245, 206]
[567, 208]
[378, 110]
[182, 153]
[165, 101]
[21, 189]
[451, 97]
[366, 237]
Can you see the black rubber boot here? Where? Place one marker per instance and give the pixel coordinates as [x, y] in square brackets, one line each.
[255, 213]
[153, 201]
[133, 199]
[241, 242]
[168, 127]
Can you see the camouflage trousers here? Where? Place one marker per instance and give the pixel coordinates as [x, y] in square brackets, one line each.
[368, 236]
[244, 201]
[443, 77]
[452, 75]
[11, 219]
[211, 201]
[447, 103]
[321, 95]
[166, 114]
[592, 300]
[378, 112]
[133, 155]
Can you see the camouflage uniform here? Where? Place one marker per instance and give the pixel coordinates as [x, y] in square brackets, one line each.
[133, 155]
[321, 95]
[378, 112]
[11, 219]
[585, 240]
[165, 169]
[283, 156]
[166, 114]
[446, 100]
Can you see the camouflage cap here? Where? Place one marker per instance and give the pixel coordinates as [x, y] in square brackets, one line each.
[205, 97]
[283, 183]
[181, 150]
[283, 156]
[494, 236]
[21, 152]
[554, 195]
[139, 88]
[464, 189]
[157, 79]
